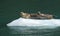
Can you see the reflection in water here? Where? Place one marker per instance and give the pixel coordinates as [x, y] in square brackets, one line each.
[24, 31]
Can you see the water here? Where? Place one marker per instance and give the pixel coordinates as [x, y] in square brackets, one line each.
[28, 31]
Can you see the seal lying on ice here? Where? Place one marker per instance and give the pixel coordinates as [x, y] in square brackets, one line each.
[36, 16]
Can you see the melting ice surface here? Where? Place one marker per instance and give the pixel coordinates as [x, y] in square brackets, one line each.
[35, 22]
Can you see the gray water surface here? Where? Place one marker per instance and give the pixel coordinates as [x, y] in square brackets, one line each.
[28, 31]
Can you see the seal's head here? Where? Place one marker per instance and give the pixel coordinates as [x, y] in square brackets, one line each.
[25, 15]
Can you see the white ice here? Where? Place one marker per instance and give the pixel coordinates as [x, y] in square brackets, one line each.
[34, 22]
